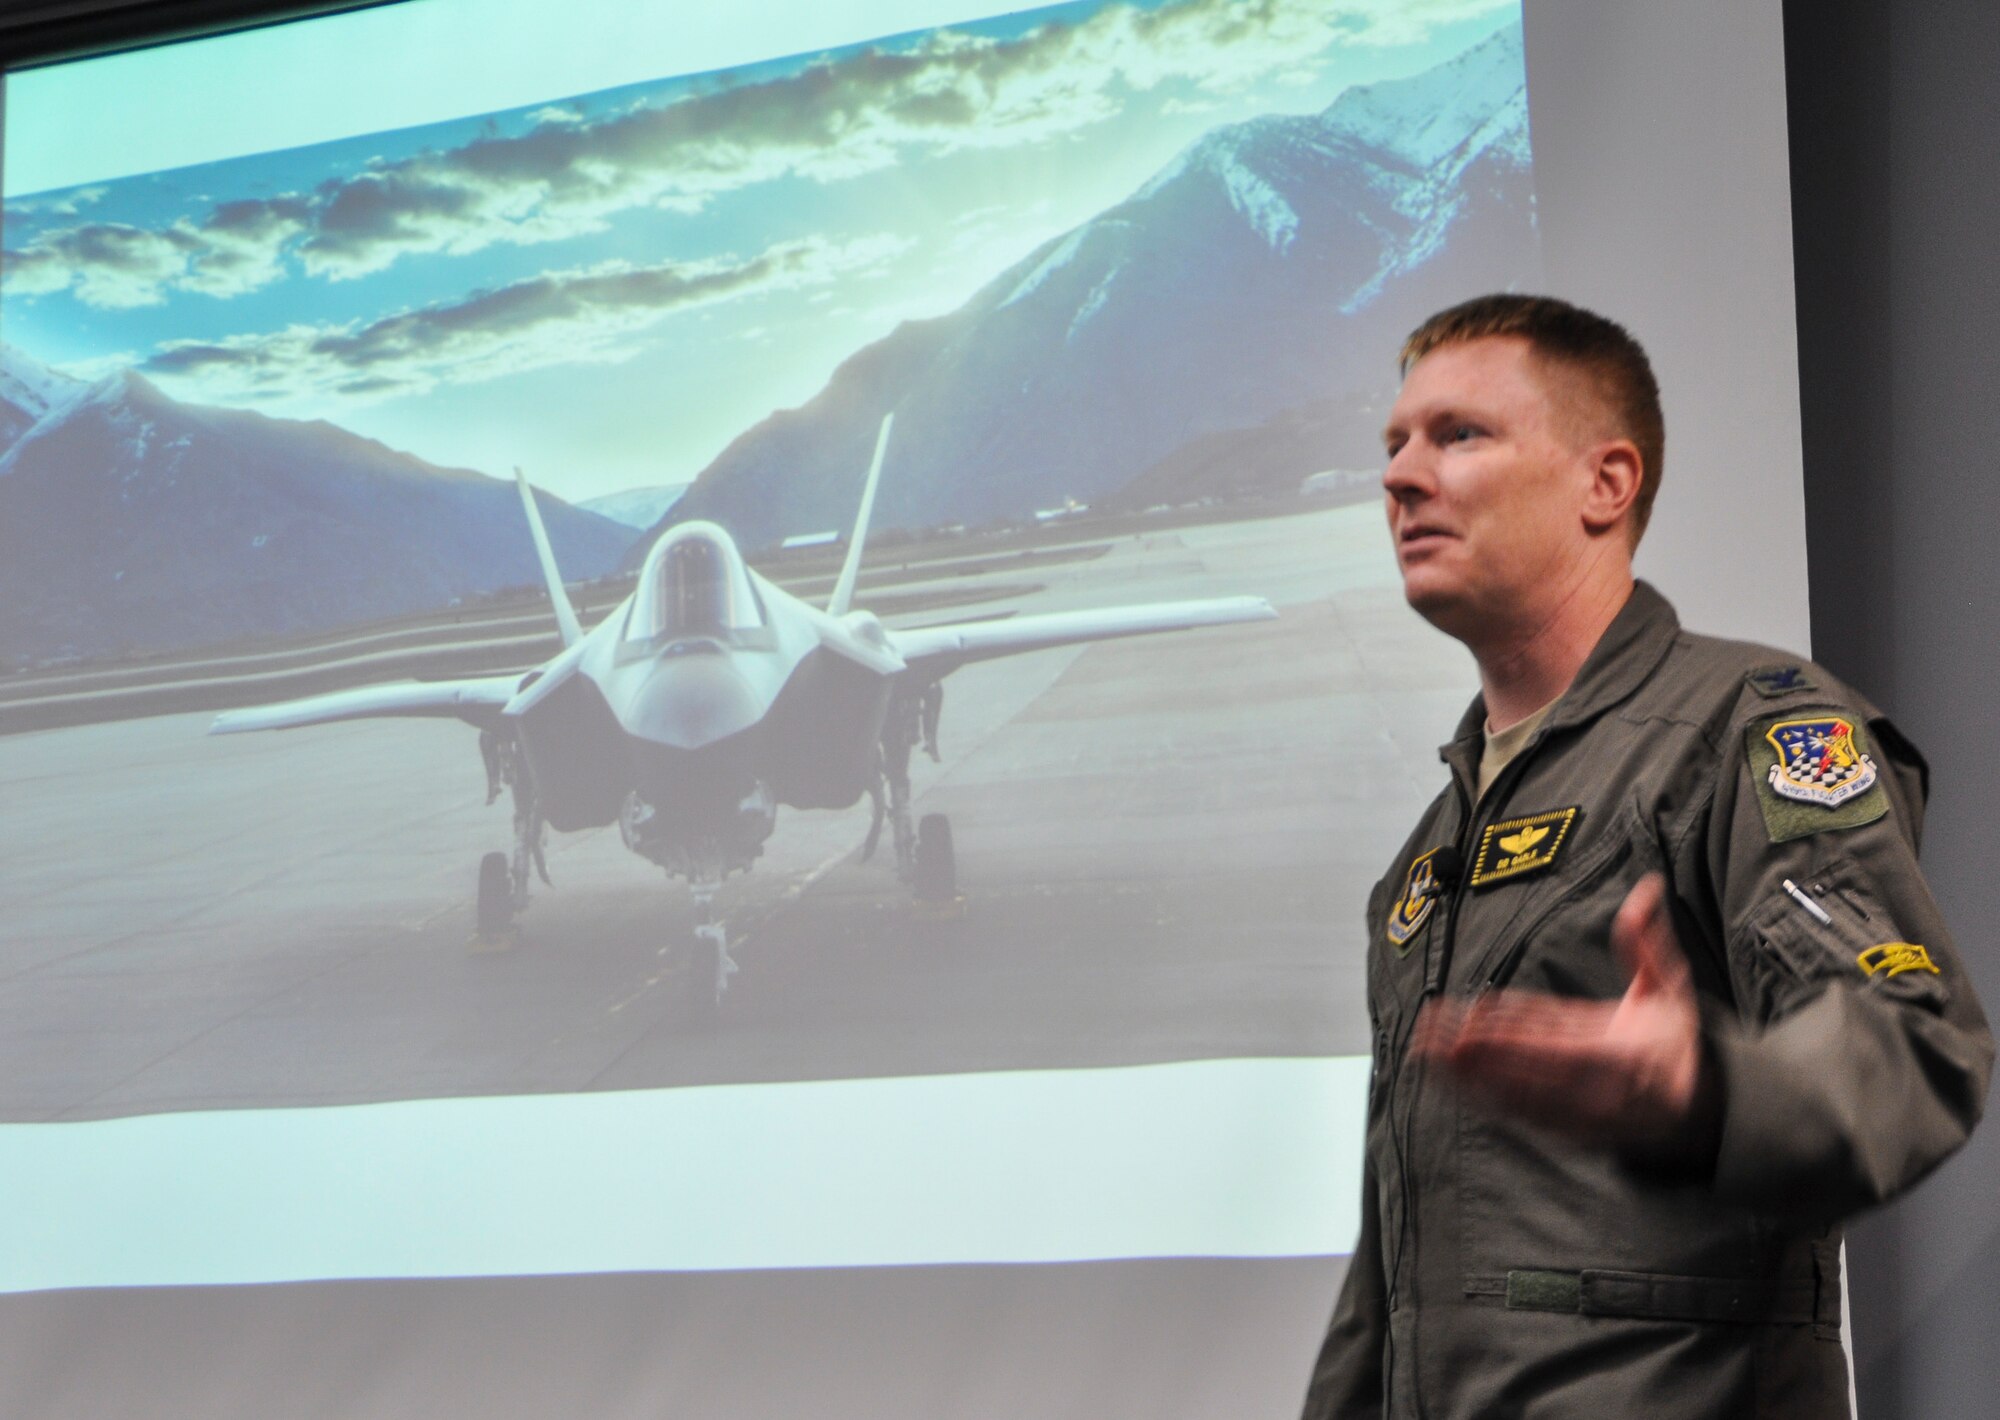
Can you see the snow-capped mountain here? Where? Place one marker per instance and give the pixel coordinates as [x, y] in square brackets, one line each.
[132, 523]
[1274, 265]
[636, 507]
[30, 392]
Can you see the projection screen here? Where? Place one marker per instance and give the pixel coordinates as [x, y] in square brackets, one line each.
[964, 1016]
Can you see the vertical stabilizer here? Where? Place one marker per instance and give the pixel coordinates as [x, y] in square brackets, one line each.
[843, 590]
[572, 629]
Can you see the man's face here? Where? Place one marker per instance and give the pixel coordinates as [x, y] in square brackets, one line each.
[1485, 488]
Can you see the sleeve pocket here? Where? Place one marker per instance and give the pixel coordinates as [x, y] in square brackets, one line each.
[1794, 952]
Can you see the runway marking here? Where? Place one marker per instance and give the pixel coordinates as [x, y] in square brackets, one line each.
[791, 894]
[425, 922]
[797, 890]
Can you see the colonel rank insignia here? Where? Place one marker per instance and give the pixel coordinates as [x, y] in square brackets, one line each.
[1413, 908]
[1773, 681]
[1818, 762]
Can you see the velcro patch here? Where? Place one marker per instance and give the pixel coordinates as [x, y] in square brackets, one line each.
[1521, 845]
[1813, 773]
[1895, 958]
[1534, 1290]
[1773, 681]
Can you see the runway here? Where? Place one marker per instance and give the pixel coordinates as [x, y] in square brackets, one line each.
[1164, 846]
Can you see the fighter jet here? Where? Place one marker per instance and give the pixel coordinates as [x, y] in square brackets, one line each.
[707, 699]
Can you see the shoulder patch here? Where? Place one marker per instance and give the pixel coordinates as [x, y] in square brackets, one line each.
[1773, 681]
[1813, 773]
[1521, 845]
[1413, 908]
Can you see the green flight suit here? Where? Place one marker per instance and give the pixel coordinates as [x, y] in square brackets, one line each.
[1504, 1271]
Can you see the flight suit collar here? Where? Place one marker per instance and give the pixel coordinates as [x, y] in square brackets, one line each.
[1630, 649]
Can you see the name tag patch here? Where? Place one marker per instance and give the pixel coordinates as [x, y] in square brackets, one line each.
[1413, 908]
[1522, 845]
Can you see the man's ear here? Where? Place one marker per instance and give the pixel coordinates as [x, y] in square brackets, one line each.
[1616, 471]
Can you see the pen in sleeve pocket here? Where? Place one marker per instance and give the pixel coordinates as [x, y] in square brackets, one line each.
[1818, 912]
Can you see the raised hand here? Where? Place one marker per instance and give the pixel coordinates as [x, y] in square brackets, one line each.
[1624, 1072]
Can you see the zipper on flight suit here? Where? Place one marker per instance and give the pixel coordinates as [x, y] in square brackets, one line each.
[1588, 878]
[1437, 968]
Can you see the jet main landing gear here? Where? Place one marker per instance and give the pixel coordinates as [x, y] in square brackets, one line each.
[503, 878]
[924, 856]
[494, 913]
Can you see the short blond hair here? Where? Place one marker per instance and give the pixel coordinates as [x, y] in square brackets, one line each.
[1613, 365]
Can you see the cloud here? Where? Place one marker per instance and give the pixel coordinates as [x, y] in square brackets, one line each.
[115, 266]
[836, 118]
[60, 204]
[111, 264]
[559, 317]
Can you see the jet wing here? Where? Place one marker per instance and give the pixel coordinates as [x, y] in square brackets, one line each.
[936, 650]
[474, 700]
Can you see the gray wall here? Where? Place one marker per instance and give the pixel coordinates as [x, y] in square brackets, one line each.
[1896, 206]
[1660, 163]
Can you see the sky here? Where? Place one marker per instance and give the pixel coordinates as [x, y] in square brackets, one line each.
[606, 289]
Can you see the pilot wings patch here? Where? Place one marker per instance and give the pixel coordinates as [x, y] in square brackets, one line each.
[1521, 845]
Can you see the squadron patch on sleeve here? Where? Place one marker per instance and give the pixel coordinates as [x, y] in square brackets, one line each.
[1813, 773]
[1895, 958]
[1818, 761]
[1413, 908]
[1521, 845]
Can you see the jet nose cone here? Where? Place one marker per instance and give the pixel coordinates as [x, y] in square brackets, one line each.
[688, 701]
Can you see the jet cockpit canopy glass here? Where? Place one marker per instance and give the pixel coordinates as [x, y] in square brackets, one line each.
[694, 583]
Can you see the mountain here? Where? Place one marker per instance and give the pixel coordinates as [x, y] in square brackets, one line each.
[637, 508]
[132, 523]
[29, 392]
[1275, 264]
[1271, 459]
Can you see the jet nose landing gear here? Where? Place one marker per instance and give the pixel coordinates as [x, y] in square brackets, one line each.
[708, 977]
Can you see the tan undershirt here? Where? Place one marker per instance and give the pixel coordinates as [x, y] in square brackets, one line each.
[1502, 747]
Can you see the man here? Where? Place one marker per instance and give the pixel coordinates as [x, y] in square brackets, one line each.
[1658, 992]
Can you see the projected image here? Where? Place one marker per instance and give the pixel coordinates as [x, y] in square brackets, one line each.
[941, 620]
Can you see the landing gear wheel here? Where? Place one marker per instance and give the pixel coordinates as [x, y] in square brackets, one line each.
[495, 912]
[934, 877]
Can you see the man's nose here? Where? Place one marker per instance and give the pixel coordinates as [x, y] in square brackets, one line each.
[1410, 473]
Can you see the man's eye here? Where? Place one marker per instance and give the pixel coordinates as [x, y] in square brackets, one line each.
[1461, 432]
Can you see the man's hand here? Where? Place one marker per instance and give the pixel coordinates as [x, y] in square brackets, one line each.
[1628, 1072]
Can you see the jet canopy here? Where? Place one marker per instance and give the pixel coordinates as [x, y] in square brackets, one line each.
[693, 583]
